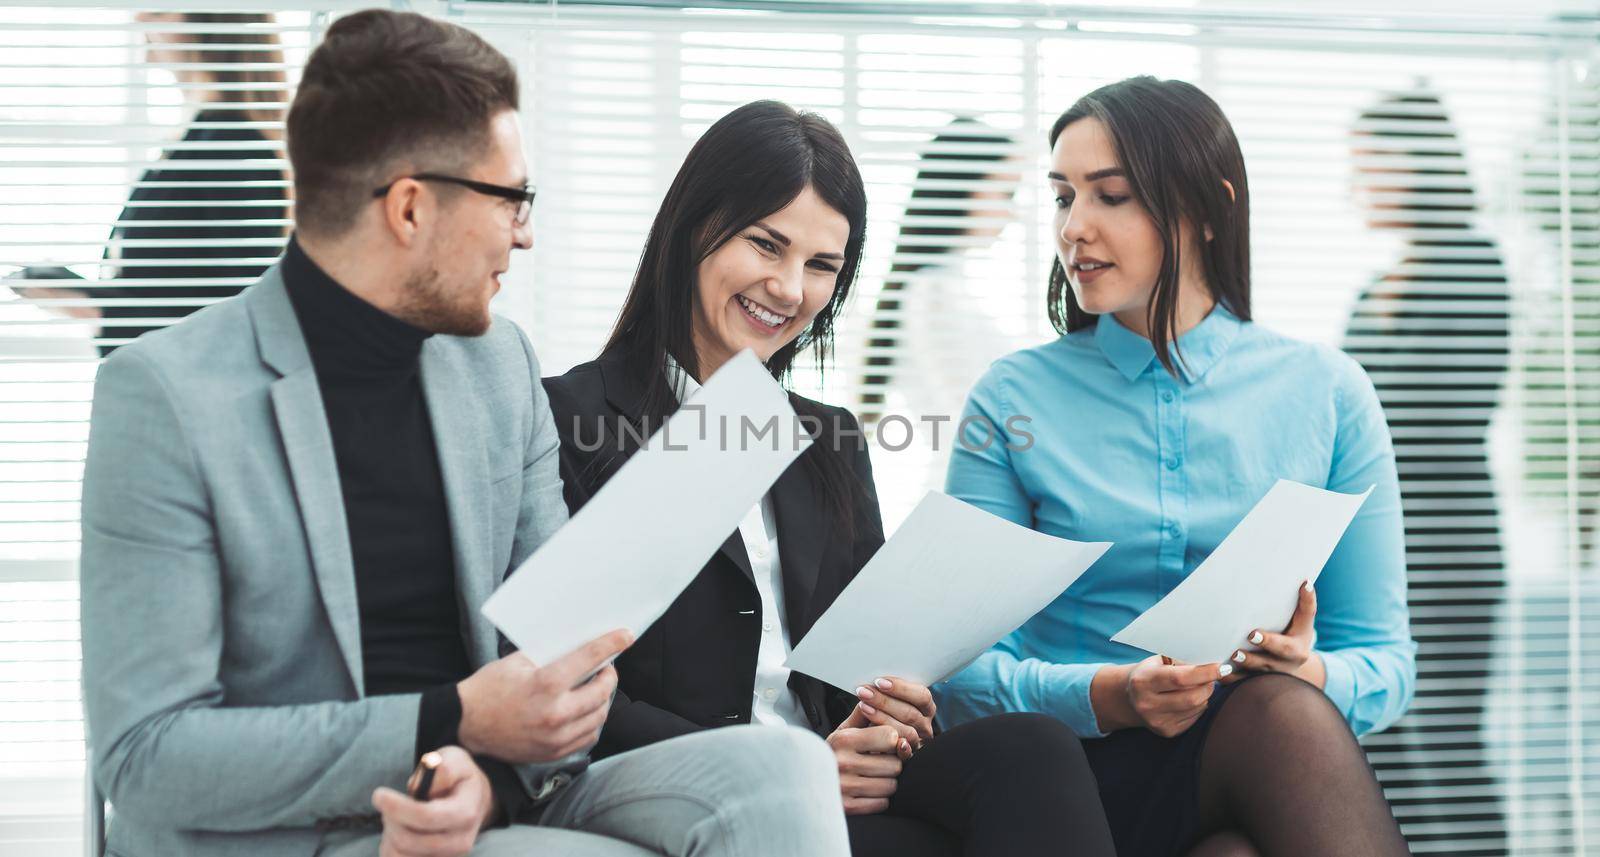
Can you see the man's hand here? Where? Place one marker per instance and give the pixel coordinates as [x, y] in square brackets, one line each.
[518, 712]
[461, 804]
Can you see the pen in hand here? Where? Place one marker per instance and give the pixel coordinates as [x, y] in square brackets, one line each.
[422, 777]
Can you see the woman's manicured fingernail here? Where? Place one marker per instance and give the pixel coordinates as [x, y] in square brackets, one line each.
[864, 692]
[867, 708]
[1225, 670]
[1238, 657]
[1309, 587]
[905, 746]
[884, 683]
[1256, 638]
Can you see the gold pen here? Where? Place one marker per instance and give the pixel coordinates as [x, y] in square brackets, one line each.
[422, 778]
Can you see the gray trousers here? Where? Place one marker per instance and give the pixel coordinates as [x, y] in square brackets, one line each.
[740, 791]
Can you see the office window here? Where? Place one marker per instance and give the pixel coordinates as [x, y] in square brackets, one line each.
[135, 187]
[1426, 194]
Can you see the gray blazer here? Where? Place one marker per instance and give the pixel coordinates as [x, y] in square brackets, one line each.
[221, 641]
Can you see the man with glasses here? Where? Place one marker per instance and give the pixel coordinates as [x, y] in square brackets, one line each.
[296, 501]
[522, 196]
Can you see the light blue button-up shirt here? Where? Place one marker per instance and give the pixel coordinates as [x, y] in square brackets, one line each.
[1166, 467]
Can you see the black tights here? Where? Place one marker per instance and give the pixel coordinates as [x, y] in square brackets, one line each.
[1282, 775]
[1013, 784]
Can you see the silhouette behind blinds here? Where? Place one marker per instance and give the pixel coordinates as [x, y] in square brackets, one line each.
[209, 218]
[961, 198]
[1433, 333]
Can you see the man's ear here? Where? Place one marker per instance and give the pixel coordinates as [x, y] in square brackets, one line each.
[402, 208]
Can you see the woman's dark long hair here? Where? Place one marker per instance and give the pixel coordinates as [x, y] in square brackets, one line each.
[749, 164]
[1176, 147]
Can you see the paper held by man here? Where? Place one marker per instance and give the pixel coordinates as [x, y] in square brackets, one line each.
[1251, 580]
[952, 582]
[622, 560]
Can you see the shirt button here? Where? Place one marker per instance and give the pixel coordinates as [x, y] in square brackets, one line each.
[1172, 463]
[766, 626]
[760, 553]
[769, 693]
[1167, 396]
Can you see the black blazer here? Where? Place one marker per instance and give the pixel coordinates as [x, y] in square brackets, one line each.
[695, 667]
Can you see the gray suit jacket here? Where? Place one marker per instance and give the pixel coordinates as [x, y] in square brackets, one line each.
[221, 640]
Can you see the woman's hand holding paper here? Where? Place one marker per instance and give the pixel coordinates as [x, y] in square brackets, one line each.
[895, 702]
[1154, 694]
[1292, 652]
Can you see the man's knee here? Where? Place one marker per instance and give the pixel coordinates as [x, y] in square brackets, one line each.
[758, 751]
[522, 841]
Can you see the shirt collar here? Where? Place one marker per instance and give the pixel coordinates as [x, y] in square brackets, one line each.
[683, 384]
[1196, 352]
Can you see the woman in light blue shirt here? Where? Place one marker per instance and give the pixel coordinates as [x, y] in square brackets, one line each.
[1157, 421]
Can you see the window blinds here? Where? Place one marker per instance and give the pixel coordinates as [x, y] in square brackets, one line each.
[1426, 194]
[142, 177]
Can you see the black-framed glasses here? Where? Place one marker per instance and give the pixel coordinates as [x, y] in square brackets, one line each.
[522, 196]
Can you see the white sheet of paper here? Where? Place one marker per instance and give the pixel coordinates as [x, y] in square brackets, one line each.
[952, 582]
[622, 560]
[1251, 580]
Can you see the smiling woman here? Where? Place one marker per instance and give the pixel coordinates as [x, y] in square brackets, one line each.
[756, 290]
[776, 229]
[756, 247]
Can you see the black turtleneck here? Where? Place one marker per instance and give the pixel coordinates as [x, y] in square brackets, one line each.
[368, 366]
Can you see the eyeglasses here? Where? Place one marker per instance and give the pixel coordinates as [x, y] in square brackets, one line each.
[523, 196]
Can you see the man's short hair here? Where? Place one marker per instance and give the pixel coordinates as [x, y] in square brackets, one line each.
[384, 89]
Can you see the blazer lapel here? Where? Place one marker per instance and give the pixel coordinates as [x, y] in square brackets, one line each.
[733, 548]
[308, 444]
[626, 394]
[459, 435]
[800, 515]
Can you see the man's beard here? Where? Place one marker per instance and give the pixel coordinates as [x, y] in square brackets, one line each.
[427, 302]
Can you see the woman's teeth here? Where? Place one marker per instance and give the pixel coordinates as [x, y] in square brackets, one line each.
[1091, 266]
[760, 314]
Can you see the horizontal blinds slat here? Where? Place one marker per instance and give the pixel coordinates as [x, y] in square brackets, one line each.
[610, 114]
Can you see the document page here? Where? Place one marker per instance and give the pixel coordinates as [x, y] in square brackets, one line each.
[1251, 580]
[627, 554]
[952, 582]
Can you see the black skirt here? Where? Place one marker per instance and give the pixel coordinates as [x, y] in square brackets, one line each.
[1150, 785]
